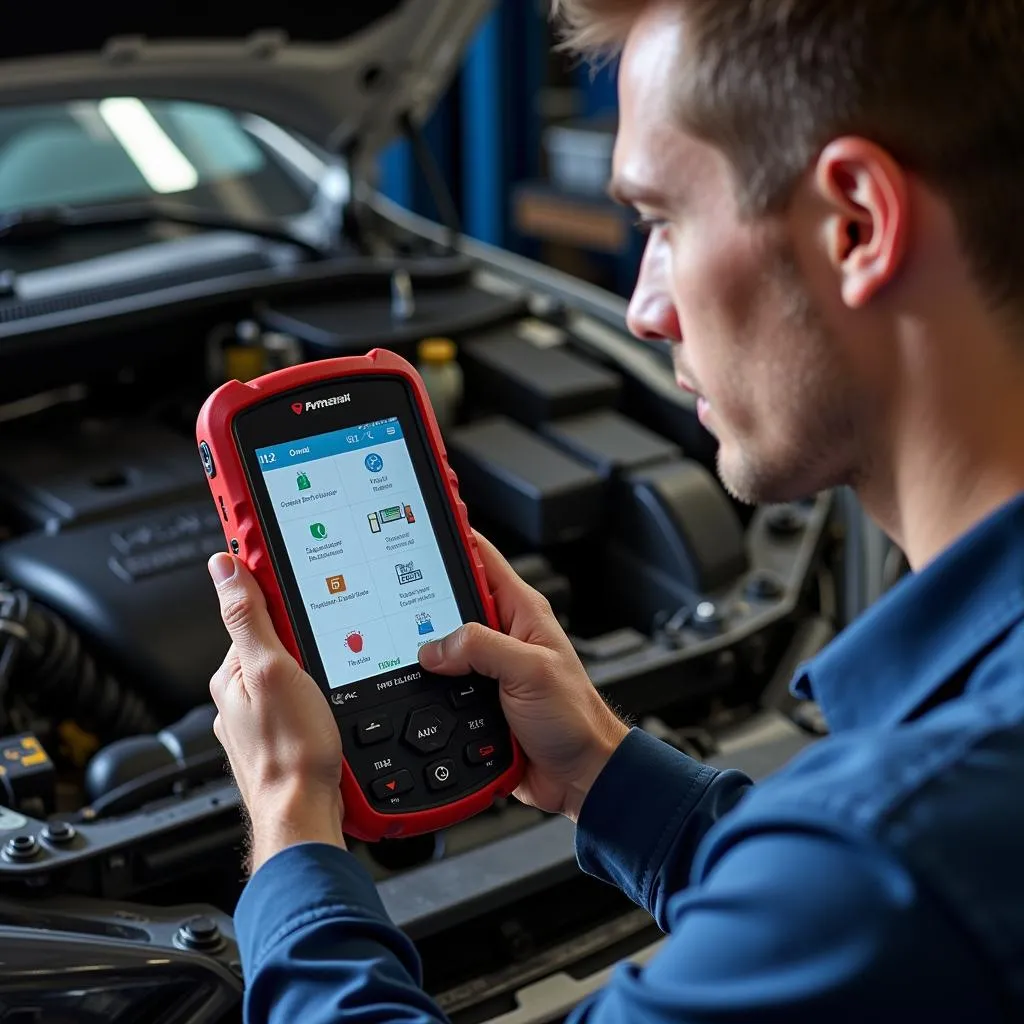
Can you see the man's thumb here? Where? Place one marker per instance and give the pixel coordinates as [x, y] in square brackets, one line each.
[474, 648]
[242, 606]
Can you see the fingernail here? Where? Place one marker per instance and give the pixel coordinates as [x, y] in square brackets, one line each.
[430, 654]
[222, 568]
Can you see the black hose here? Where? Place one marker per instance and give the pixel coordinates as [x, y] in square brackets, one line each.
[44, 662]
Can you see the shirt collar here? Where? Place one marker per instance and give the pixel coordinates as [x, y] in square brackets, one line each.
[919, 634]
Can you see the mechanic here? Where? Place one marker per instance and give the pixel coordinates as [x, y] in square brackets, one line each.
[833, 194]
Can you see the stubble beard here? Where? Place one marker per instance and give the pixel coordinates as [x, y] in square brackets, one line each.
[816, 453]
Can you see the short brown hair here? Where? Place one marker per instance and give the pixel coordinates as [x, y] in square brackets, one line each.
[938, 83]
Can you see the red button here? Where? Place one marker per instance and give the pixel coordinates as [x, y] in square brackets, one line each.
[480, 751]
[392, 785]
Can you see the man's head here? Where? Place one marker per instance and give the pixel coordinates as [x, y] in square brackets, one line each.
[826, 182]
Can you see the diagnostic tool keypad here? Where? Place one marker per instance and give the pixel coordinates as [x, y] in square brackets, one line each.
[428, 748]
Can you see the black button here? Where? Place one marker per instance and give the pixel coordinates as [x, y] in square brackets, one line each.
[201, 934]
[480, 751]
[23, 847]
[441, 774]
[392, 785]
[207, 458]
[429, 729]
[463, 695]
[477, 723]
[234, 546]
[374, 729]
[58, 832]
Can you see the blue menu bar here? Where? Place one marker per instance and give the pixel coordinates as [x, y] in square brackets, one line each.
[323, 446]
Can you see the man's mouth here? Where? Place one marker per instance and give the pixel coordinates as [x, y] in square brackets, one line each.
[703, 405]
[684, 384]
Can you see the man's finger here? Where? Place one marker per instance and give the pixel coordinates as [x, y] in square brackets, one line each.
[475, 648]
[243, 609]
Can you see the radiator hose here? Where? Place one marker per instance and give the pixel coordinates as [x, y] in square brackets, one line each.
[44, 662]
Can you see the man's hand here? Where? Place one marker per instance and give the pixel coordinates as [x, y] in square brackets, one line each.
[275, 725]
[566, 730]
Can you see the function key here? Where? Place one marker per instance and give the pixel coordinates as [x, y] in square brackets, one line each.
[464, 694]
[441, 774]
[392, 785]
[372, 729]
[480, 722]
[482, 751]
[429, 729]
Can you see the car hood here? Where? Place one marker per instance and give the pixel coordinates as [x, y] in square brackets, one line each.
[343, 76]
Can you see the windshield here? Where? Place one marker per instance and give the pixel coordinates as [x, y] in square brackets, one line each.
[127, 149]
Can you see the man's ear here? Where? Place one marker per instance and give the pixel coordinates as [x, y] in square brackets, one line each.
[869, 219]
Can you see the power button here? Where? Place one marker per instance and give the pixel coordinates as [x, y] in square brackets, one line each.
[207, 456]
[441, 774]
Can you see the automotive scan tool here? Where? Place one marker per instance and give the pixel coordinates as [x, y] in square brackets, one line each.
[333, 486]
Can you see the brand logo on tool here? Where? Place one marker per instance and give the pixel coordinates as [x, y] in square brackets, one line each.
[321, 403]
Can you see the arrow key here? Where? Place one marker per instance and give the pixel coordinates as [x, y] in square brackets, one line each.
[392, 785]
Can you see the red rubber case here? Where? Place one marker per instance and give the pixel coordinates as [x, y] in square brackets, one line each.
[215, 427]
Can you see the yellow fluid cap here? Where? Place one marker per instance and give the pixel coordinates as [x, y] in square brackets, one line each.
[244, 362]
[436, 350]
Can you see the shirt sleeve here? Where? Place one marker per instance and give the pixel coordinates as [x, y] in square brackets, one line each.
[317, 945]
[646, 815]
[800, 928]
[789, 925]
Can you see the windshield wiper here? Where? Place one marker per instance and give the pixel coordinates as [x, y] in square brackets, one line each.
[42, 223]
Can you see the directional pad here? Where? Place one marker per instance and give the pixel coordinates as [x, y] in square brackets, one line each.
[429, 729]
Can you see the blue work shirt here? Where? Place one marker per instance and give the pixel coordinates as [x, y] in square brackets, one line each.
[878, 877]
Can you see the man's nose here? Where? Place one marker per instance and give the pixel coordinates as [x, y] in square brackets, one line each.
[652, 312]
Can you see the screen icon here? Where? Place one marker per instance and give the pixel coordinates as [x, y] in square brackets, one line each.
[390, 431]
[373, 462]
[408, 573]
[423, 624]
[303, 482]
[318, 530]
[354, 642]
[336, 584]
[392, 514]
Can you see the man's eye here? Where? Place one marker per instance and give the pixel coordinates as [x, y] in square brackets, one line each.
[645, 225]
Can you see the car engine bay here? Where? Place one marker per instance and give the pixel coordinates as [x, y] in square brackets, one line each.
[577, 456]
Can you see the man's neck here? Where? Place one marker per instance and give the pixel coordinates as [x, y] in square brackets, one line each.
[949, 462]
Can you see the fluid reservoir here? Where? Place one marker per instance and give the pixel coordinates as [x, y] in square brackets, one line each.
[442, 376]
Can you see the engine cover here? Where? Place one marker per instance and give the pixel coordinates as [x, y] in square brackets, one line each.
[137, 590]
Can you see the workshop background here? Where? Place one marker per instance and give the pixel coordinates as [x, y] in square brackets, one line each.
[524, 140]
